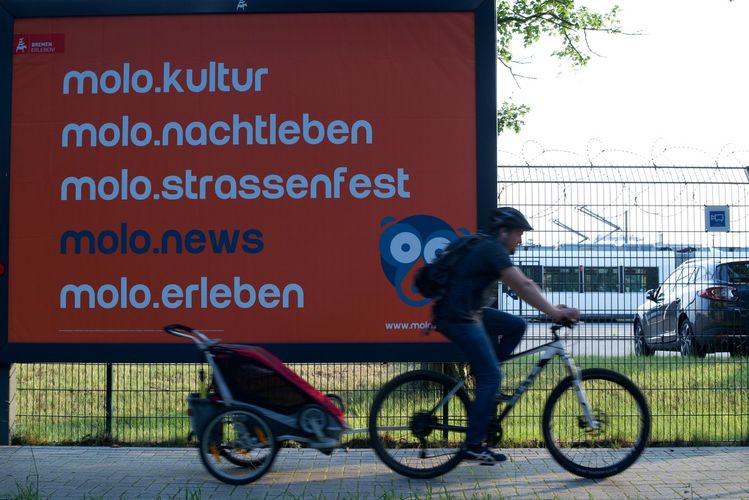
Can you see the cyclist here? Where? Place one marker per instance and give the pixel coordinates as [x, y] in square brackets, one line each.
[486, 335]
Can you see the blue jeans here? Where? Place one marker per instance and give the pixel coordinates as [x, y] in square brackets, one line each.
[482, 346]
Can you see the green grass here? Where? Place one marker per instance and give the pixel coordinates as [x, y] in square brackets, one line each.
[27, 491]
[695, 401]
[692, 401]
[66, 404]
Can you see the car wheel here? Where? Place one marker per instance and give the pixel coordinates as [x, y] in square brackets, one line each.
[641, 345]
[687, 344]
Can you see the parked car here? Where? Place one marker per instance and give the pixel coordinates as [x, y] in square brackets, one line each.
[702, 307]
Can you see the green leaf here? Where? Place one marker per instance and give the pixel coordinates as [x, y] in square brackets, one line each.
[529, 21]
[510, 116]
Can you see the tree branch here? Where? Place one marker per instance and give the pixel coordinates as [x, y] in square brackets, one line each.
[522, 19]
[571, 45]
[587, 44]
[514, 75]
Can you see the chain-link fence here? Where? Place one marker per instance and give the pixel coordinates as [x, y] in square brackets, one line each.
[656, 257]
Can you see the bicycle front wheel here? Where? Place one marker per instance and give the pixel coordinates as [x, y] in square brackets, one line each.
[411, 431]
[238, 446]
[623, 424]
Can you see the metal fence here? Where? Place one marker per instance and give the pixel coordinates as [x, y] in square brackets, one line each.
[145, 403]
[696, 401]
[607, 234]
[604, 235]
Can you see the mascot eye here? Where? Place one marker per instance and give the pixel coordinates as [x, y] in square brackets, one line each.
[405, 247]
[433, 246]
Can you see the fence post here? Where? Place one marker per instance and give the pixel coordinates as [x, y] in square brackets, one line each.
[7, 402]
[108, 408]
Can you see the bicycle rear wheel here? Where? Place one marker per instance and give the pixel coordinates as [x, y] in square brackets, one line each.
[238, 446]
[620, 408]
[409, 433]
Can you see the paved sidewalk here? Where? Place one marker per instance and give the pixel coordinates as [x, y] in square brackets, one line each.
[88, 473]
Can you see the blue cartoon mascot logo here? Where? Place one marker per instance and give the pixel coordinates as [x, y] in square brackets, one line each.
[408, 244]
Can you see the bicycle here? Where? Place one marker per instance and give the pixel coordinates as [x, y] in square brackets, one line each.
[595, 422]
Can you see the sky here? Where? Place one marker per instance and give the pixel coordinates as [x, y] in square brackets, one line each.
[676, 94]
[681, 84]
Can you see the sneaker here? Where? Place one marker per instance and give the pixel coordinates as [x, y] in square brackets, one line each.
[482, 454]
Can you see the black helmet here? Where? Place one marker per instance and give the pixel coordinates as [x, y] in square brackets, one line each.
[509, 218]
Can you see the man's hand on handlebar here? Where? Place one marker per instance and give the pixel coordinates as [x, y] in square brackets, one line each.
[565, 315]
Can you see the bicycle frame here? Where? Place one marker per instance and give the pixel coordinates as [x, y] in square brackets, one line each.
[549, 350]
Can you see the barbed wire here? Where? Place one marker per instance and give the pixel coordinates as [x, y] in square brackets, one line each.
[597, 154]
[668, 186]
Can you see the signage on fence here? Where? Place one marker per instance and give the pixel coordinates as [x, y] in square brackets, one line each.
[266, 178]
[717, 218]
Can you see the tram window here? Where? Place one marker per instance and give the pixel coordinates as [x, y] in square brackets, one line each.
[561, 279]
[601, 279]
[640, 279]
[533, 272]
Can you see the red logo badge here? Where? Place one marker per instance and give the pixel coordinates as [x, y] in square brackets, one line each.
[51, 43]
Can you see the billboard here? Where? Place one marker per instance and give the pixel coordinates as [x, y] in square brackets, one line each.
[266, 177]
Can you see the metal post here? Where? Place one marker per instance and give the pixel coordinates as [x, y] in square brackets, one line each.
[7, 402]
[445, 415]
[108, 408]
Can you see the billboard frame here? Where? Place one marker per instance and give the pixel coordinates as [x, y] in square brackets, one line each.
[486, 175]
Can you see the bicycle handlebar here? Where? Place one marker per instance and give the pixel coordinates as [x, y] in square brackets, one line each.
[565, 323]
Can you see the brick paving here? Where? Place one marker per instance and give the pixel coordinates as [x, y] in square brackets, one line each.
[166, 473]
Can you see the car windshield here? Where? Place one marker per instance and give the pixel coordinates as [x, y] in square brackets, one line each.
[734, 272]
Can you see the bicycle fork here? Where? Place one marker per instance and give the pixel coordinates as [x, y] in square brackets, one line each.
[577, 382]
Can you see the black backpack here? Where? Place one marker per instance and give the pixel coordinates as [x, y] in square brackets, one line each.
[433, 279]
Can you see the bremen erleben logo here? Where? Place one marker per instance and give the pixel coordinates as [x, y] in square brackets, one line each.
[21, 45]
[241, 5]
[408, 244]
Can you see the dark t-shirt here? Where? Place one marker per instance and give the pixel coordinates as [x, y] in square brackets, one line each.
[474, 284]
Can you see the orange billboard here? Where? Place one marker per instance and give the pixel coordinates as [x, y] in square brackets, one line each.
[266, 178]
